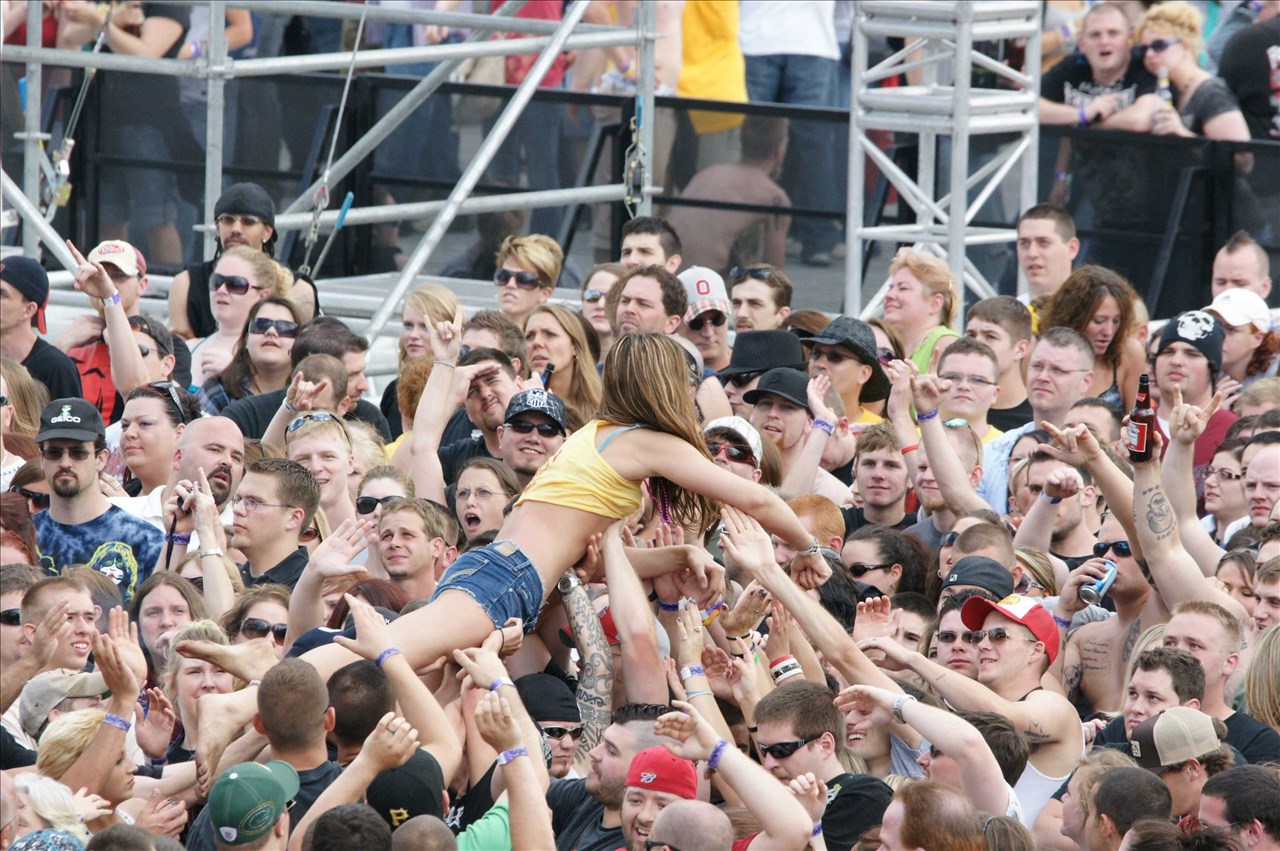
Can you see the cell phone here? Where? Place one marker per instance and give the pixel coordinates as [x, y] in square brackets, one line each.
[547, 373]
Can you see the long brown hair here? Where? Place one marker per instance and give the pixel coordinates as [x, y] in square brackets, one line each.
[1079, 297]
[584, 388]
[241, 367]
[646, 382]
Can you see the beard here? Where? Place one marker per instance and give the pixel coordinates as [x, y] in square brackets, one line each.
[218, 489]
[605, 792]
[67, 489]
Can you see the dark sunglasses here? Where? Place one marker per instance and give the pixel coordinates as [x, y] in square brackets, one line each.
[198, 582]
[949, 539]
[1160, 45]
[740, 454]
[369, 504]
[947, 636]
[524, 280]
[544, 429]
[561, 732]
[858, 569]
[235, 284]
[4, 401]
[171, 390]
[41, 500]
[738, 272]
[55, 453]
[284, 327]
[782, 750]
[998, 635]
[742, 379]
[886, 355]
[715, 317]
[1122, 548]
[145, 351]
[11, 617]
[258, 628]
[592, 296]
[830, 355]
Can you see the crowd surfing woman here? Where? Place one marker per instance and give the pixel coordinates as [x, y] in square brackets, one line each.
[647, 430]
[261, 360]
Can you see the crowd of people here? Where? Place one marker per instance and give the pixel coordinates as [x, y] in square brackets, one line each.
[680, 563]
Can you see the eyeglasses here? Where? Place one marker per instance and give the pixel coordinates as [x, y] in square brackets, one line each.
[543, 429]
[971, 380]
[369, 504]
[283, 327]
[759, 274]
[482, 494]
[55, 453]
[198, 582]
[1160, 45]
[742, 379]
[561, 732]
[741, 454]
[251, 505]
[1122, 548]
[715, 317]
[949, 539]
[227, 220]
[998, 635]
[858, 569]
[524, 280]
[11, 617]
[41, 500]
[171, 390]
[886, 355]
[782, 750]
[592, 296]
[1055, 372]
[947, 636]
[235, 284]
[258, 628]
[1223, 473]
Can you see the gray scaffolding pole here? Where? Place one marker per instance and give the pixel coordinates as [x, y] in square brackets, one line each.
[32, 137]
[218, 73]
[485, 23]
[34, 223]
[646, 22]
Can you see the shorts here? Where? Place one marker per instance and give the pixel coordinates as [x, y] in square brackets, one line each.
[141, 195]
[501, 579]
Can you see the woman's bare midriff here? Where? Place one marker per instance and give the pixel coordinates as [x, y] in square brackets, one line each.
[553, 537]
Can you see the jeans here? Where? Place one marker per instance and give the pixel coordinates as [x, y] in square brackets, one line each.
[424, 145]
[501, 579]
[804, 81]
[536, 135]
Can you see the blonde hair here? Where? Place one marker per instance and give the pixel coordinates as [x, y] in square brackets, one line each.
[27, 396]
[1150, 638]
[233, 572]
[53, 802]
[1261, 687]
[585, 389]
[267, 273]
[205, 629]
[1090, 770]
[536, 253]
[367, 445]
[1040, 568]
[1176, 18]
[65, 739]
[934, 273]
[435, 303]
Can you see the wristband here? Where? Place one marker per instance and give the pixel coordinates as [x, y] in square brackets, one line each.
[114, 298]
[812, 549]
[907, 450]
[1062, 176]
[1065, 623]
[824, 426]
[500, 682]
[195, 49]
[709, 615]
[1052, 500]
[178, 539]
[387, 654]
[713, 761]
[817, 829]
[288, 409]
[164, 760]
[927, 415]
[692, 671]
[898, 703]
[507, 756]
[752, 730]
[211, 551]
[781, 673]
[1065, 30]
[663, 605]
[1083, 117]
[776, 662]
[690, 695]
[117, 722]
[779, 679]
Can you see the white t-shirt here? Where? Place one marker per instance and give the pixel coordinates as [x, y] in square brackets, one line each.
[7, 471]
[778, 27]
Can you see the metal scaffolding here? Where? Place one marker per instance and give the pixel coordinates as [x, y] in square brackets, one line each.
[940, 37]
[547, 38]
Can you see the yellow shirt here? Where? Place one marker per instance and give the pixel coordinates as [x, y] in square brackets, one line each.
[712, 67]
[868, 418]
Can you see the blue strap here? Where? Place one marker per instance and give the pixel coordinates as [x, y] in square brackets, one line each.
[601, 447]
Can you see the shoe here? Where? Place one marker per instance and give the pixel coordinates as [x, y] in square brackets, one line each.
[821, 259]
[794, 247]
[839, 252]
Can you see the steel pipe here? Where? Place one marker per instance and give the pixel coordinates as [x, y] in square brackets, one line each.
[32, 220]
[397, 15]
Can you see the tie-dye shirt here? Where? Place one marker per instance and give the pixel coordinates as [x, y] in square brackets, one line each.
[115, 543]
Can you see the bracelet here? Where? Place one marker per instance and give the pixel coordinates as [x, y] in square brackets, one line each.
[713, 761]
[1052, 500]
[164, 760]
[500, 682]
[1065, 623]
[690, 695]
[775, 662]
[779, 679]
[812, 549]
[507, 756]
[709, 615]
[1083, 117]
[907, 450]
[817, 829]
[288, 409]
[692, 671]
[386, 654]
[1062, 176]
[823, 425]
[117, 722]
[783, 671]
[211, 551]
[927, 415]
[663, 605]
[446, 364]
[898, 703]
[178, 539]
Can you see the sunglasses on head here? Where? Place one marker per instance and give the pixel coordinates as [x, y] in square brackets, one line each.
[171, 390]
[591, 296]
[1160, 45]
[258, 628]
[524, 280]
[235, 284]
[146, 351]
[742, 379]
[41, 500]
[310, 416]
[740, 454]
[543, 429]
[284, 327]
[715, 317]
[738, 272]
[858, 569]
[11, 617]
[561, 732]
[55, 453]
[998, 635]
[1122, 548]
[369, 504]
[782, 750]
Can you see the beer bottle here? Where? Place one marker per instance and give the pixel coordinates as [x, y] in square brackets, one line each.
[1142, 420]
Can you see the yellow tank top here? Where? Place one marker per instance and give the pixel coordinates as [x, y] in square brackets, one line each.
[577, 476]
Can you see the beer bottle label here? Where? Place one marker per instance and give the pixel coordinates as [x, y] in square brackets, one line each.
[1138, 433]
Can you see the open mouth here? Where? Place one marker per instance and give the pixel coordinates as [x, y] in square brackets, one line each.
[471, 521]
[80, 648]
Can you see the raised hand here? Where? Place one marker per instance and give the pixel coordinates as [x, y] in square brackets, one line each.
[876, 618]
[90, 807]
[372, 636]
[1188, 422]
[865, 699]
[482, 666]
[780, 624]
[689, 628]
[446, 338]
[53, 629]
[1075, 445]
[927, 392]
[91, 278]
[1091, 571]
[694, 733]
[302, 394]
[745, 541]
[164, 816]
[177, 508]
[1063, 483]
[391, 743]
[333, 557]
[816, 393]
[746, 614]
[496, 723]
[811, 793]
[507, 639]
[117, 674]
[125, 634]
[208, 519]
[155, 729]
[895, 657]
[899, 373]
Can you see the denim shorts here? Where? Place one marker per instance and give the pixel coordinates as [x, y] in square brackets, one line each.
[501, 579]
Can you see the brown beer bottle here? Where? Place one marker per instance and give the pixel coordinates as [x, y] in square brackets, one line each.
[1142, 421]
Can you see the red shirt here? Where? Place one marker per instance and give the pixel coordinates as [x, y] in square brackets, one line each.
[518, 66]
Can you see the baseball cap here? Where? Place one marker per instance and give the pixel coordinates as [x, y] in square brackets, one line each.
[120, 254]
[790, 384]
[761, 351]
[982, 572]
[250, 199]
[705, 290]
[1196, 328]
[743, 429]
[1025, 610]
[1239, 306]
[45, 691]
[413, 789]
[247, 800]
[154, 329]
[538, 401]
[856, 336]
[659, 770]
[1172, 737]
[70, 419]
[28, 277]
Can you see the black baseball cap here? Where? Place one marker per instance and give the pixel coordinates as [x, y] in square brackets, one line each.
[790, 384]
[761, 351]
[856, 336]
[70, 419]
[28, 277]
[538, 401]
[413, 789]
[981, 572]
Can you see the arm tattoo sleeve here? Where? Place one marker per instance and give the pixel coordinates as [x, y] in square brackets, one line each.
[595, 680]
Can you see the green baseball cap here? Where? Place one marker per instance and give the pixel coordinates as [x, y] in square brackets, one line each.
[247, 800]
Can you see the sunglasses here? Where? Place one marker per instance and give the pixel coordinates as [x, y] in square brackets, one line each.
[369, 504]
[524, 280]
[858, 569]
[198, 582]
[715, 317]
[782, 750]
[227, 220]
[734, 453]
[171, 390]
[947, 636]
[258, 628]
[742, 379]
[146, 351]
[738, 272]
[11, 617]
[283, 327]
[235, 284]
[561, 732]
[998, 635]
[886, 355]
[591, 296]
[833, 356]
[949, 539]
[41, 500]
[4, 401]
[1122, 548]
[1160, 45]
[55, 453]
[313, 417]
[543, 429]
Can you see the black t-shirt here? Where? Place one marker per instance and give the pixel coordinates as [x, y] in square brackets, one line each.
[253, 414]
[138, 98]
[390, 407]
[1258, 742]
[576, 816]
[1071, 82]
[1011, 419]
[311, 785]
[469, 807]
[199, 310]
[1072, 562]
[12, 754]
[454, 455]
[844, 473]
[1249, 64]
[855, 519]
[51, 366]
[286, 573]
[1210, 99]
[855, 803]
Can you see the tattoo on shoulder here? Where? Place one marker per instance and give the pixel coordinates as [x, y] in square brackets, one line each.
[1037, 733]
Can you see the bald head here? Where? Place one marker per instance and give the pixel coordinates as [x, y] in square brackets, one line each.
[215, 445]
[423, 833]
[693, 824]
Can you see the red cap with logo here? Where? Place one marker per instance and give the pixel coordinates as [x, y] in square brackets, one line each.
[659, 770]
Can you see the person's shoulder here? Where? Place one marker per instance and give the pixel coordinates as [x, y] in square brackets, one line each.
[567, 792]
[850, 786]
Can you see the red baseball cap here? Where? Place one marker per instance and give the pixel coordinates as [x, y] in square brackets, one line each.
[1025, 610]
[659, 770]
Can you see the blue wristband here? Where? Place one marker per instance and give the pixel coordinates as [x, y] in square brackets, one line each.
[823, 425]
[387, 654]
[507, 756]
[713, 761]
[178, 539]
[1062, 622]
[117, 722]
[817, 829]
[692, 671]
[927, 415]
[669, 607]
[500, 682]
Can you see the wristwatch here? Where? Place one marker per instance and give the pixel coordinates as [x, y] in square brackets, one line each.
[568, 582]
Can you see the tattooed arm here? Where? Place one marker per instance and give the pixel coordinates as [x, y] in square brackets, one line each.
[595, 679]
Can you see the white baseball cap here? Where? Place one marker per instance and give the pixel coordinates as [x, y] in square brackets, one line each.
[1239, 306]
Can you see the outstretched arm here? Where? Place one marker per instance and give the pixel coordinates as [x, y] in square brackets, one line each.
[953, 479]
[800, 478]
[1186, 424]
[1078, 447]
[644, 675]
